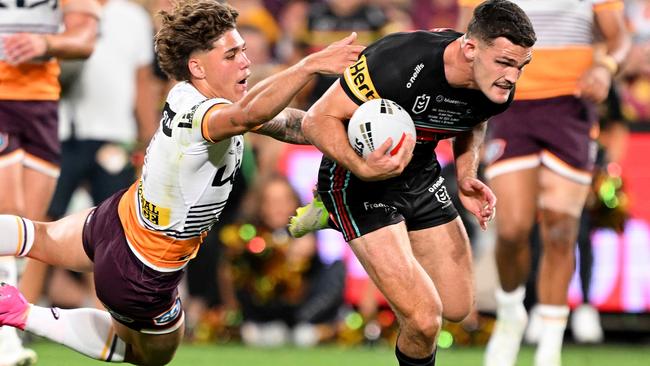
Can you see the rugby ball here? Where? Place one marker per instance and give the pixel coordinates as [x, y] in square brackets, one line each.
[375, 121]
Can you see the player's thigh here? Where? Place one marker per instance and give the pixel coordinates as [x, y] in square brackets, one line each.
[11, 187]
[60, 243]
[561, 194]
[516, 193]
[150, 349]
[39, 188]
[388, 259]
[444, 252]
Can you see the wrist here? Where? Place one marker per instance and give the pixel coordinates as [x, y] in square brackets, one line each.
[608, 62]
[48, 47]
[307, 64]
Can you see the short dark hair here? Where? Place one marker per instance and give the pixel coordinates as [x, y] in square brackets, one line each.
[501, 18]
[192, 25]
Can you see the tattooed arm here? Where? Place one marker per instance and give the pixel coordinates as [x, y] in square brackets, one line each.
[286, 127]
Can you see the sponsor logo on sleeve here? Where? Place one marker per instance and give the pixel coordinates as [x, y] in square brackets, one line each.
[357, 78]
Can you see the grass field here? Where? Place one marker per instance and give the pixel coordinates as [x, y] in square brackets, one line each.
[237, 355]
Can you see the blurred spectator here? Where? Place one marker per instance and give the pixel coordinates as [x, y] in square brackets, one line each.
[428, 14]
[253, 13]
[162, 83]
[283, 288]
[33, 36]
[328, 21]
[635, 81]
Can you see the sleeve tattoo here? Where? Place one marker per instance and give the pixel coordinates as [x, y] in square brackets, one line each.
[286, 127]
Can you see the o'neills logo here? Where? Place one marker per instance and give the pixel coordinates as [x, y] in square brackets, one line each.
[357, 78]
[416, 72]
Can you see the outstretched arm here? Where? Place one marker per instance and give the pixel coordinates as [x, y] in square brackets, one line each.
[286, 127]
[270, 96]
[474, 194]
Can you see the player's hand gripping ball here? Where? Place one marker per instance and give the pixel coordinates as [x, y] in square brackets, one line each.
[375, 121]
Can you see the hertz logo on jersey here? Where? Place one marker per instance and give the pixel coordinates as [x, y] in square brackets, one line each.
[358, 80]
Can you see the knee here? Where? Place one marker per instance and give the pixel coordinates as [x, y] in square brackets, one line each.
[426, 321]
[560, 231]
[459, 311]
[513, 236]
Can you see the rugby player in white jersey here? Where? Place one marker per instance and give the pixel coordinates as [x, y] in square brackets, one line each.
[138, 241]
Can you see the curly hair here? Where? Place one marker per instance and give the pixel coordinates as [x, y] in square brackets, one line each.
[501, 18]
[192, 25]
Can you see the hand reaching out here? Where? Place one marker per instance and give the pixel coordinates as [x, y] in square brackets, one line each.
[336, 57]
[478, 199]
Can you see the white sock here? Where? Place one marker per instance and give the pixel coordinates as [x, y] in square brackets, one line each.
[87, 331]
[9, 340]
[10, 343]
[549, 348]
[509, 303]
[17, 235]
[8, 270]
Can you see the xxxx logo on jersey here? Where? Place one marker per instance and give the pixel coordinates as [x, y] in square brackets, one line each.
[151, 212]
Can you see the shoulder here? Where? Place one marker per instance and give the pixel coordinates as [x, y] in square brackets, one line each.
[186, 104]
[420, 40]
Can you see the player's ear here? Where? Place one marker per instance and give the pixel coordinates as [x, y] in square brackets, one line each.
[469, 47]
[196, 68]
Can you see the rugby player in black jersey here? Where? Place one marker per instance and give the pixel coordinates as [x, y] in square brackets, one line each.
[395, 213]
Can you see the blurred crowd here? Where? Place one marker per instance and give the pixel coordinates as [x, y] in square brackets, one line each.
[252, 280]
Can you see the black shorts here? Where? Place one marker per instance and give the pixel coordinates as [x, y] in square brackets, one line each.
[135, 295]
[417, 197]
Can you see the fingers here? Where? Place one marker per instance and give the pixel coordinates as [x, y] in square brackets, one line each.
[347, 40]
[383, 149]
[21, 47]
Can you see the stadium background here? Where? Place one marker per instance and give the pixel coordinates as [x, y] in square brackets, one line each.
[621, 274]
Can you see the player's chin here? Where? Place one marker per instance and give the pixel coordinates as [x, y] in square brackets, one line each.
[499, 95]
[240, 93]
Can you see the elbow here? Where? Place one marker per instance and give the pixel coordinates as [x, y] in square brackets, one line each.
[87, 50]
[308, 125]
